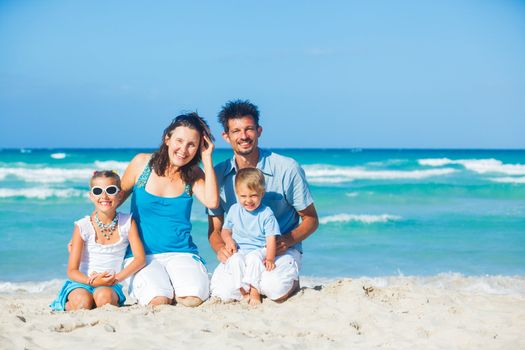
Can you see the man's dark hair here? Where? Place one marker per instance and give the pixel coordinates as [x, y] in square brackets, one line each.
[237, 109]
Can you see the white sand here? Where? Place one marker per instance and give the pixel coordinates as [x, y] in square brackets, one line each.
[395, 313]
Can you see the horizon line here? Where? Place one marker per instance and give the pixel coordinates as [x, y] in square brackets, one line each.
[355, 149]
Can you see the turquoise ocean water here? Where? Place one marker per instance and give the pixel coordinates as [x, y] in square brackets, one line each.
[382, 212]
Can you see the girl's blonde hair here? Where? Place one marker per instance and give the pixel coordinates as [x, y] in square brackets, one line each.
[253, 178]
[112, 174]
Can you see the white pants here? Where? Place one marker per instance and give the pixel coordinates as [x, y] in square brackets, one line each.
[169, 275]
[246, 268]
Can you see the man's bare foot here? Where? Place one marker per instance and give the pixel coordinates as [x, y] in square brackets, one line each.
[160, 301]
[255, 297]
[189, 301]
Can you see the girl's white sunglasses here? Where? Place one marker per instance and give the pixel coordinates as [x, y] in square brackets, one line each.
[111, 190]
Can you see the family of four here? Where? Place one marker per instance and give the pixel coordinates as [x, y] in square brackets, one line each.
[259, 210]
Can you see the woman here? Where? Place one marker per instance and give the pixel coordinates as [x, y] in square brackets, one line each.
[162, 186]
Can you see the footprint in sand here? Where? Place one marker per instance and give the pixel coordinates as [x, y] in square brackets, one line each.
[66, 327]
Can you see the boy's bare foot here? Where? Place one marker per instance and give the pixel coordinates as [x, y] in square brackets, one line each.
[255, 297]
[254, 302]
[245, 296]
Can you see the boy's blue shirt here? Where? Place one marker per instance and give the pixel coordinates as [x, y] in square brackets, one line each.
[287, 190]
[250, 228]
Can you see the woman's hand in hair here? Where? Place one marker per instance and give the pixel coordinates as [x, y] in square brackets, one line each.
[207, 147]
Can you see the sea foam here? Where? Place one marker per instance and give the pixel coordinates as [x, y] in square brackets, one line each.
[509, 179]
[489, 284]
[480, 166]
[57, 175]
[119, 167]
[58, 155]
[319, 173]
[40, 193]
[46, 175]
[364, 219]
[31, 287]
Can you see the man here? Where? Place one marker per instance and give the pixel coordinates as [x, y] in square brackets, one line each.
[287, 194]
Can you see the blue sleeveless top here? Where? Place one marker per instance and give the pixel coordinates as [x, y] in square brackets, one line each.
[163, 223]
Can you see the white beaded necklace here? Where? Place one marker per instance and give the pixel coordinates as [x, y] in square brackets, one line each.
[106, 229]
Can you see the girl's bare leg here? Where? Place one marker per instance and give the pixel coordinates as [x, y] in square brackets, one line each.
[105, 296]
[78, 299]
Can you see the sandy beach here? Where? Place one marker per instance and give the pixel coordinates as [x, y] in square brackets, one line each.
[390, 313]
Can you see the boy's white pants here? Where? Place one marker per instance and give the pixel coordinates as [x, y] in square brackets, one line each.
[246, 268]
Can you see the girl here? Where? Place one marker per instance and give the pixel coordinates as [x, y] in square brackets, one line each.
[98, 246]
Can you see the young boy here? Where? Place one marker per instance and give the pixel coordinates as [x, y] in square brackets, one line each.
[249, 233]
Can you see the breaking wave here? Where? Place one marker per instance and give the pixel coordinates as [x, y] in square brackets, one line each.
[480, 166]
[332, 174]
[364, 219]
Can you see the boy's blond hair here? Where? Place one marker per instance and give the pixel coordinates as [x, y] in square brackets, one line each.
[253, 178]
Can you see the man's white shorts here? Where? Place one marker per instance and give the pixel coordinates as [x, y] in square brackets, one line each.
[274, 284]
[169, 275]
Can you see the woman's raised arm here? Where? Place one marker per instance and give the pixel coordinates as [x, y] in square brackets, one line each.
[205, 187]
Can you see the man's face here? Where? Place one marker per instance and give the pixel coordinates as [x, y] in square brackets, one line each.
[243, 135]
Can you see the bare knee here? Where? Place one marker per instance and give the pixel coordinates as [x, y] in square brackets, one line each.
[105, 296]
[189, 301]
[79, 299]
[160, 301]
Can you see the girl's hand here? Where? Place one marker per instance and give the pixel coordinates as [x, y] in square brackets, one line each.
[92, 277]
[104, 279]
[207, 147]
[108, 280]
[269, 264]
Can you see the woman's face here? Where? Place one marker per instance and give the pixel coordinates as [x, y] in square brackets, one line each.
[183, 144]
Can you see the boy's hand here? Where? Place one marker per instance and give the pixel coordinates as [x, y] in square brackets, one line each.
[269, 264]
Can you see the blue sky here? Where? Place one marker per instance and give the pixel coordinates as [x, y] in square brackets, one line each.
[393, 74]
